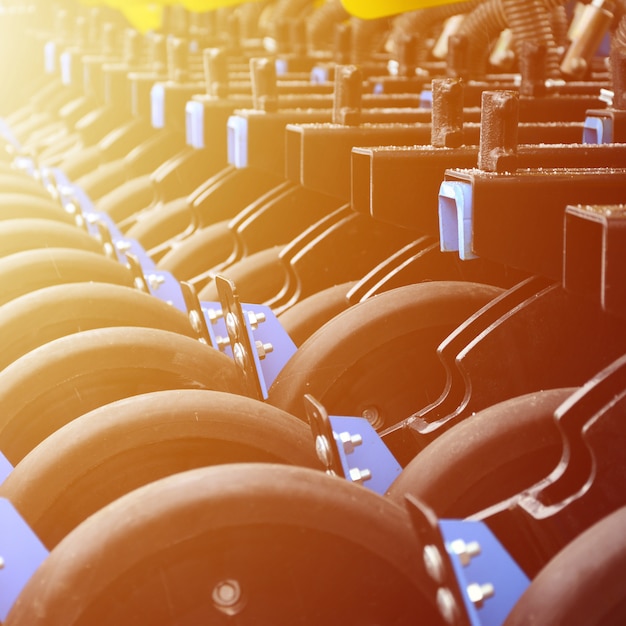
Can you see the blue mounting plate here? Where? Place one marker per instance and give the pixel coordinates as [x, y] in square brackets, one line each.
[21, 553]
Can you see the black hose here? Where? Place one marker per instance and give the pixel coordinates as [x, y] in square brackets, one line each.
[419, 24]
[321, 25]
[529, 20]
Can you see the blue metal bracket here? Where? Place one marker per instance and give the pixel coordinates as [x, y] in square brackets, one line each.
[491, 582]
[65, 61]
[426, 99]
[194, 124]
[157, 105]
[254, 337]
[282, 67]
[26, 164]
[237, 129]
[475, 581]
[5, 468]
[7, 134]
[598, 129]
[455, 218]
[349, 447]
[159, 283]
[320, 75]
[21, 553]
[50, 57]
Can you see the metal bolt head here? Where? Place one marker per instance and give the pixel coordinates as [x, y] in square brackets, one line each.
[222, 342]
[254, 319]
[123, 245]
[263, 349]
[196, 322]
[322, 449]
[213, 315]
[433, 561]
[465, 551]
[360, 475]
[373, 416]
[109, 250]
[227, 597]
[232, 324]
[447, 605]
[478, 593]
[349, 442]
[155, 280]
[239, 354]
[139, 284]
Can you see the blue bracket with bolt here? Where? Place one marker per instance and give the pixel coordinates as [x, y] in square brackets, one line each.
[21, 553]
[365, 458]
[477, 581]
[256, 339]
[455, 218]
[477, 558]
[349, 447]
[270, 347]
[99, 224]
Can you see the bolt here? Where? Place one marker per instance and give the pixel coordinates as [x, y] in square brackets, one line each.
[139, 284]
[360, 475]
[154, 280]
[70, 207]
[109, 250]
[349, 442]
[239, 354]
[227, 597]
[196, 322]
[447, 605]
[263, 349]
[373, 416]
[255, 319]
[465, 551]
[433, 561]
[222, 342]
[478, 593]
[123, 245]
[213, 315]
[323, 451]
[53, 191]
[232, 324]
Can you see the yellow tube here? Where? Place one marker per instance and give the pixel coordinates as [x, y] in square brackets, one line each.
[370, 9]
